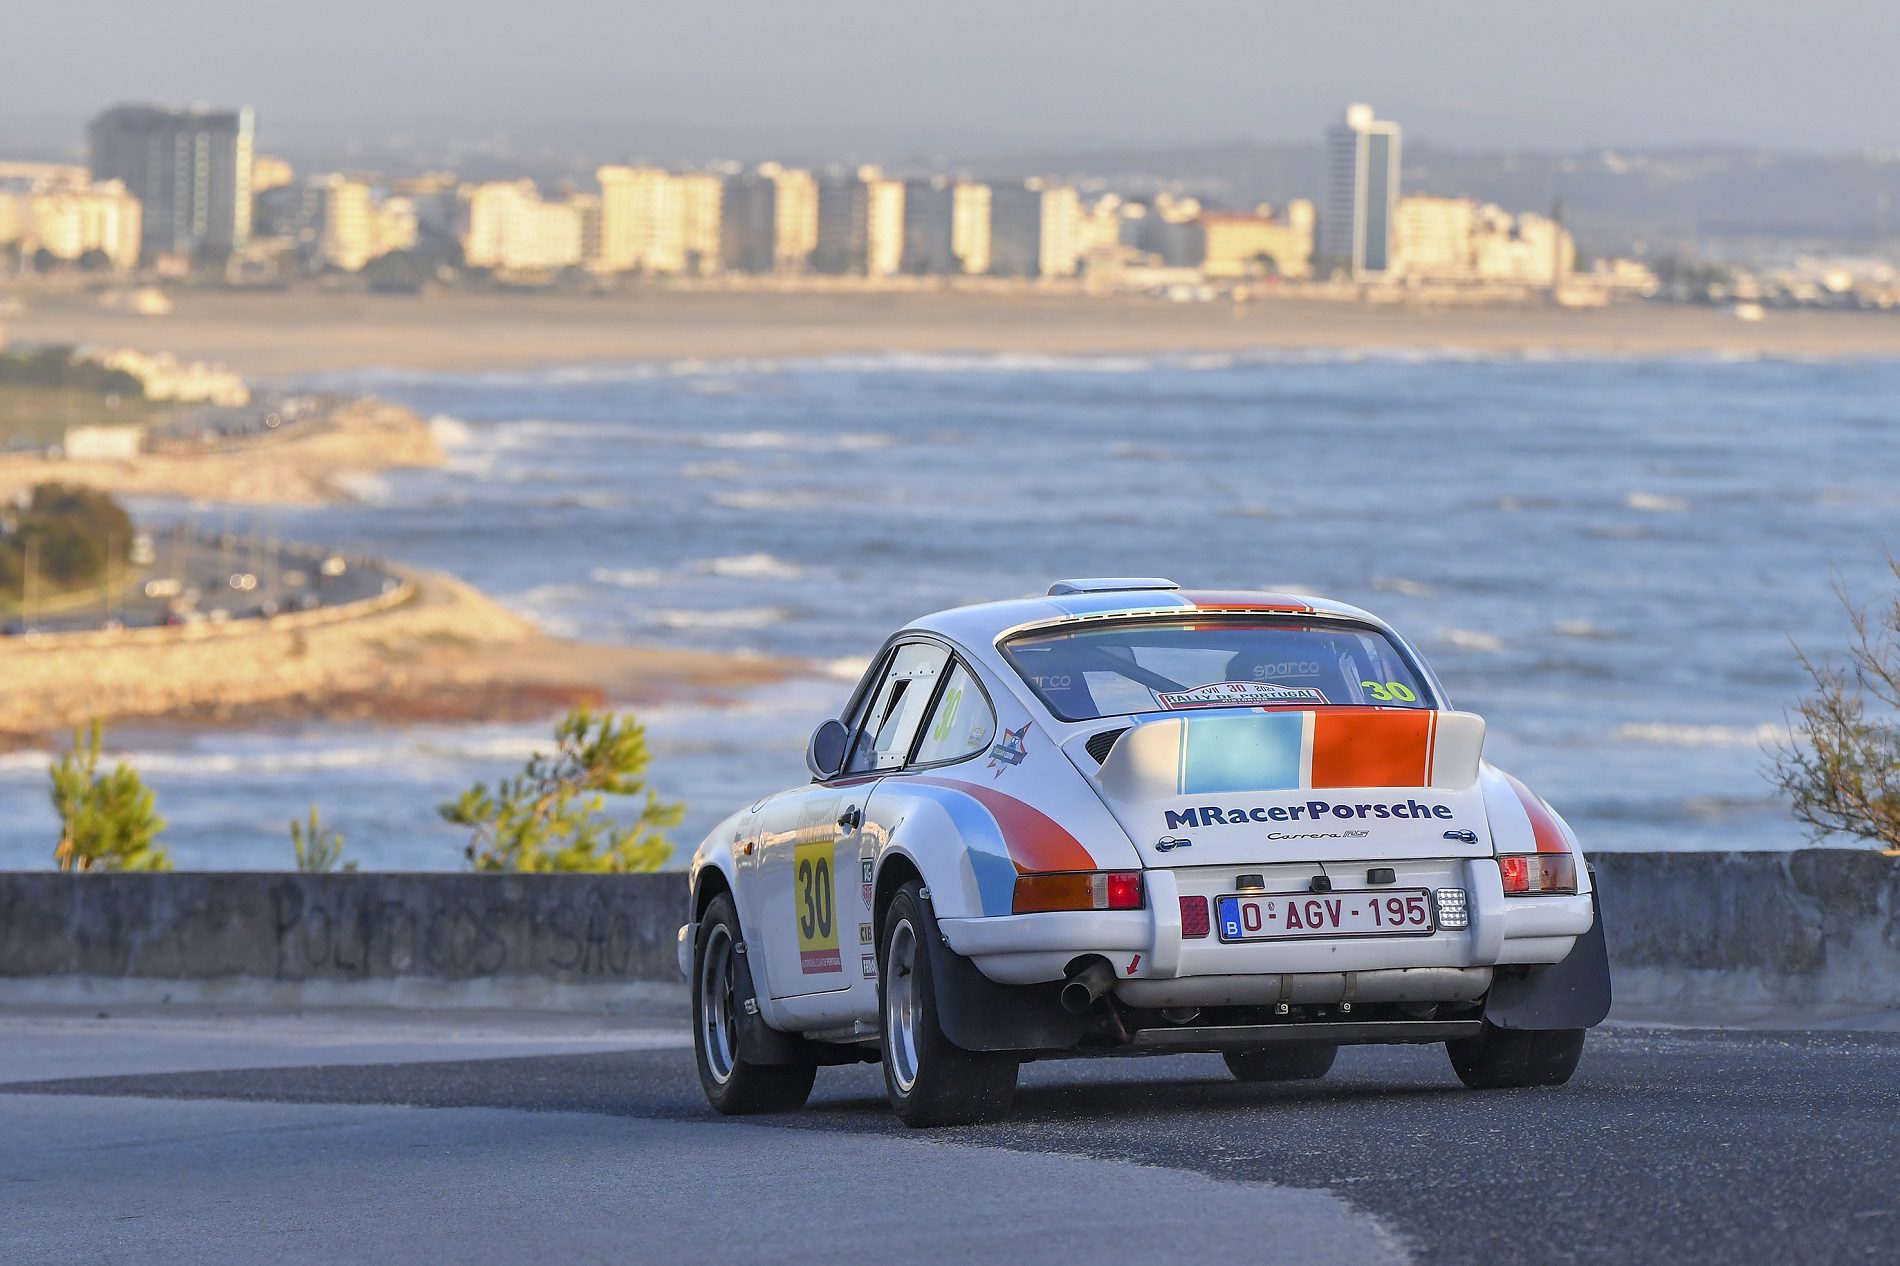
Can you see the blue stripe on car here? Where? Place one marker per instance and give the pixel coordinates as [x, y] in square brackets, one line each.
[1257, 752]
[983, 845]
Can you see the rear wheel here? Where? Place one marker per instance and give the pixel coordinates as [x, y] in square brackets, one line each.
[930, 1080]
[734, 1085]
[1301, 1061]
[1503, 1059]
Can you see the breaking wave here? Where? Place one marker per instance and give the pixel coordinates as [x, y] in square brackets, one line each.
[751, 567]
[1655, 503]
[1471, 640]
[1674, 734]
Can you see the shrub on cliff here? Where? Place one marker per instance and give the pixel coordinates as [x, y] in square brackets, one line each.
[1843, 774]
[548, 818]
[61, 367]
[74, 533]
[106, 821]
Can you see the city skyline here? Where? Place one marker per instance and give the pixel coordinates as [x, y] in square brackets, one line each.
[1004, 78]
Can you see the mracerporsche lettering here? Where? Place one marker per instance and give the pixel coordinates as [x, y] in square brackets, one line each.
[1312, 811]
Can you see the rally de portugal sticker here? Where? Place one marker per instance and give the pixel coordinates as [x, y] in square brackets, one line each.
[1228, 694]
[813, 907]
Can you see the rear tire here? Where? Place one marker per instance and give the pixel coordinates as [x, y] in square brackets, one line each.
[1302, 1061]
[1506, 1059]
[734, 1085]
[930, 1080]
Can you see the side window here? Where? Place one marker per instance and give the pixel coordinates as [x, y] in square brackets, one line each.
[961, 725]
[884, 735]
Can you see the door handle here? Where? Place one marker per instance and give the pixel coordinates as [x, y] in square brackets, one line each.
[850, 819]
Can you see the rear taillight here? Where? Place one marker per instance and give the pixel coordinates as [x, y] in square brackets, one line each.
[1078, 890]
[1194, 921]
[1533, 874]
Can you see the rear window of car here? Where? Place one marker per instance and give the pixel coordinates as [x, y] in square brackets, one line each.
[1120, 668]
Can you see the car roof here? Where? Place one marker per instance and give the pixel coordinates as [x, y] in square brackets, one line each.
[979, 627]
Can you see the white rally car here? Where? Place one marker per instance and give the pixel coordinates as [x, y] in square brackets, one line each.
[1124, 819]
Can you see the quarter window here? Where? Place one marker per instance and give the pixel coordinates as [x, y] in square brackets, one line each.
[961, 724]
[884, 736]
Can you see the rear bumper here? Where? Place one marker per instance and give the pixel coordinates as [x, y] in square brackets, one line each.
[1146, 947]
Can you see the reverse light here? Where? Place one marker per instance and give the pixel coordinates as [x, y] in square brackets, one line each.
[1194, 919]
[1454, 910]
[1078, 890]
[1535, 874]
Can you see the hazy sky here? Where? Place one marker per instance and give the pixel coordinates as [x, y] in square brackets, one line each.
[1807, 74]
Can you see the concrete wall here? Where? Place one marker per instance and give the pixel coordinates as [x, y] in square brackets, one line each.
[1817, 930]
[439, 939]
[1699, 937]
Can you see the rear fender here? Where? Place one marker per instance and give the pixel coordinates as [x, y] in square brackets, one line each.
[978, 1014]
[1572, 994]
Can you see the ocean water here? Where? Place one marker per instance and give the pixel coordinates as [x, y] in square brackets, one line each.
[1607, 558]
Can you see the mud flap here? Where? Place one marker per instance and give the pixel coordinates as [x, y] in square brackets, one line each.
[759, 1042]
[1572, 994]
[978, 1014]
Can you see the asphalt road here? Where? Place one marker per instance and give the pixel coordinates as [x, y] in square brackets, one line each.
[206, 566]
[1670, 1145]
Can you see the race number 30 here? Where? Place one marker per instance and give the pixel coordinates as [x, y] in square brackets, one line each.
[813, 891]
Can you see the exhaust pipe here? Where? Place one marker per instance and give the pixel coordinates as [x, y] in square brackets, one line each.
[1082, 990]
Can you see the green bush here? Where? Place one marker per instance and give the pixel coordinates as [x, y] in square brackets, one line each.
[72, 530]
[548, 818]
[318, 849]
[1841, 771]
[59, 367]
[106, 821]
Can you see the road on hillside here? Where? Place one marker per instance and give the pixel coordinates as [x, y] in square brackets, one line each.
[230, 575]
[1670, 1145]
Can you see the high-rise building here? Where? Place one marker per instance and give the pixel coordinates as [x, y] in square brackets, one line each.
[795, 233]
[69, 217]
[189, 169]
[883, 226]
[843, 222]
[658, 222]
[1361, 196]
[1015, 230]
[700, 194]
[1435, 237]
[1061, 247]
[1099, 229]
[970, 226]
[748, 231]
[929, 226]
[639, 211]
[344, 222]
[509, 226]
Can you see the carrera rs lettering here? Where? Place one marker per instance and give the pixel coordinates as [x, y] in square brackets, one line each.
[1312, 811]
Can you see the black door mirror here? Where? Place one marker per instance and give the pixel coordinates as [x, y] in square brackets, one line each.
[824, 755]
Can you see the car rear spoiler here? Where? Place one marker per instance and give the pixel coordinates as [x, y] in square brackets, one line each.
[1294, 750]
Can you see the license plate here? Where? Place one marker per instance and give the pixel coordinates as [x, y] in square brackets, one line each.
[1287, 916]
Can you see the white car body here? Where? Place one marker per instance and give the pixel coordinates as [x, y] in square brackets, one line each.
[1404, 802]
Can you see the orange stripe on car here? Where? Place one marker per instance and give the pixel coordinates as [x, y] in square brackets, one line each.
[1377, 748]
[1036, 841]
[1550, 836]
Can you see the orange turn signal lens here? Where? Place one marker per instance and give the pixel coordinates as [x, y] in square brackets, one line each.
[1078, 890]
[1532, 874]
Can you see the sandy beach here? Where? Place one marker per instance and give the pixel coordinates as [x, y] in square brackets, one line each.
[277, 335]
